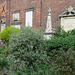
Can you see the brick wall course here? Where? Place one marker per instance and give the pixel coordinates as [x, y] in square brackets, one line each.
[40, 10]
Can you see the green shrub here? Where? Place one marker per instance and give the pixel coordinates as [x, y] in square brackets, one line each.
[5, 51]
[4, 64]
[58, 43]
[7, 32]
[61, 50]
[64, 64]
[27, 49]
[62, 33]
[40, 70]
[1, 49]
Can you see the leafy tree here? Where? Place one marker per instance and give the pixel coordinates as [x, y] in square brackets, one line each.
[7, 33]
[27, 49]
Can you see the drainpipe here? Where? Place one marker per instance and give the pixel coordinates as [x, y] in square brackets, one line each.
[40, 13]
[8, 8]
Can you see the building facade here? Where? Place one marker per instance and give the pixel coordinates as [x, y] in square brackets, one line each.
[33, 13]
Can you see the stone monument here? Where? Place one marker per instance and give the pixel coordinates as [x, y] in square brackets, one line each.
[48, 30]
[68, 19]
[49, 24]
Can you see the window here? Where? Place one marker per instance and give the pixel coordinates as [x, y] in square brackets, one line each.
[16, 16]
[16, 26]
[2, 27]
[29, 18]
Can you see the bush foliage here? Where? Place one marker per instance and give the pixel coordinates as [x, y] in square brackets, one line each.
[7, 32]
[1, 49]
[61, 43]
[64, 63]
[61, 50]
[4, 64]
[27, 49]
[30, 54]
[62, 33]
[61, 40]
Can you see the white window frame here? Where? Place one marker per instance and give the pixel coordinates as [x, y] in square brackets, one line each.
[2, 27]
[16, 16]
[29, 18]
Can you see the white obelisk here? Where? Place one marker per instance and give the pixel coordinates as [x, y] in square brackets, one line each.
[49, 24]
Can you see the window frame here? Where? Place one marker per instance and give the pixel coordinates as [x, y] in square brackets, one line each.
[29, 10]
[3, 27]
[18, 14]
[27, 19]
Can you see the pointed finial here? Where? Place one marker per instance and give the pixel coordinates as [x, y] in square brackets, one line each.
[49, 10]
[70, 8]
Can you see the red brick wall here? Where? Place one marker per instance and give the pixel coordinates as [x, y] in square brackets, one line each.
[58, 7]
[40, 10]
[22, 5]
[3, 3]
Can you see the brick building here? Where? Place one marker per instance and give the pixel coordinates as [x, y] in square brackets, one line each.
[32, 12]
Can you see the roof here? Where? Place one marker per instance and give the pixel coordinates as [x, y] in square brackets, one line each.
[69, 12]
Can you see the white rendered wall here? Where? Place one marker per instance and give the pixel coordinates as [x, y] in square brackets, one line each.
[68, 23]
